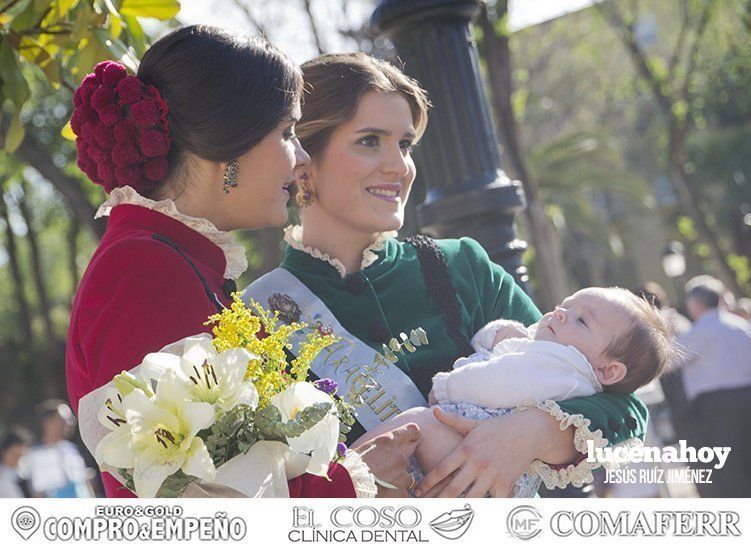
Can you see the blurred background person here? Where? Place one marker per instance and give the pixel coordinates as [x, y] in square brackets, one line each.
[655, 293]
[13, 446]
[56, 467]
[671, 382]
[717, 380]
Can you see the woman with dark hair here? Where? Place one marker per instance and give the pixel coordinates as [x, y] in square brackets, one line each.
[360, 119]
[200, 142]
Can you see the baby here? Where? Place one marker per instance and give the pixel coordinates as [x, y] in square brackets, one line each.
[597, 340]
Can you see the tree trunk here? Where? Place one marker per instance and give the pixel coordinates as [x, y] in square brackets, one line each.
[36, 265]
[549, 267]
[691, 201]
[667, 96]
[33, 155]
[741, 234]
[73, 230]
[314, 27]
[16, 275]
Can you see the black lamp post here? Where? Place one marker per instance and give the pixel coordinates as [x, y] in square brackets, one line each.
[467, 193]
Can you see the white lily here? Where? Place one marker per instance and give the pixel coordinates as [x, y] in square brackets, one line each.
[163, 436]
[207, 376]
[112, 416]
[320, 440]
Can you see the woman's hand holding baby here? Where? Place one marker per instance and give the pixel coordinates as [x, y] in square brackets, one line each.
[495, 452]
[387, 455]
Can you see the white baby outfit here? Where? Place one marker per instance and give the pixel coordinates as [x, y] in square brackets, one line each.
[495, 381]
[516, 371]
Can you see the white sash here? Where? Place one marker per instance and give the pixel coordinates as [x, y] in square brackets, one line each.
[350, 362]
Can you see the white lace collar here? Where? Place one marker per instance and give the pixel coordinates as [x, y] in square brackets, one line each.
[293, 237]
[234, 253]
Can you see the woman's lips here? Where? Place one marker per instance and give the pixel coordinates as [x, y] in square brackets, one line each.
[387, 192]
[550, 328]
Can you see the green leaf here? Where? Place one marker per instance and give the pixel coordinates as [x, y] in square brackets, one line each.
[31, 15]
[15, 134]
[116, 21]
[14, 85]
[117, 49]
[137, 35]
[16, 9]
[81, 27]
[159, 9]
[35, 53]
[64, 6]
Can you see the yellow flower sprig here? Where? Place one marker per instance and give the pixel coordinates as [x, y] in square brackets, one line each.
[239, 326]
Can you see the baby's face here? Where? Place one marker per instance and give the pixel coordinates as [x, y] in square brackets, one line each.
[589, 320]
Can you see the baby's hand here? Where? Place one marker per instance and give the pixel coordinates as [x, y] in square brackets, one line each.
[511, 329]
[431, 398]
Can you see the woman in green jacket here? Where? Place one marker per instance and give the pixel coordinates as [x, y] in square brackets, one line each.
[360, 120]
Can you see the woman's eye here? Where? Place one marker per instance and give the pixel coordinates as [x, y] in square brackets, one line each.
[369, 141]
[582, 321]
[290, 135]
[407, 145]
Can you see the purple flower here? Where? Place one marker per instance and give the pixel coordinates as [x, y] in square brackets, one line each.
[341, 449]
[326, 385]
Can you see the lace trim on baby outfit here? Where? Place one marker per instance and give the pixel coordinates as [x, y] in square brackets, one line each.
[577, 475]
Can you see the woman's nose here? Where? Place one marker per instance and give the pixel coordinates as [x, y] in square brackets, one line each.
[301, 156]
[396, 163]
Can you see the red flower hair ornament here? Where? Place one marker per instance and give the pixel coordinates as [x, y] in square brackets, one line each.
[122, 130]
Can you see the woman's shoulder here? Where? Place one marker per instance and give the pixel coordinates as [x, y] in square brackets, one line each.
[139, 261]
[463, 249]
[465, 258]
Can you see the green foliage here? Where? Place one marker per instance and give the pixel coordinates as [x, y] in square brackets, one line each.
[46, 48]
[63, 40]
[409, 343]
[578, 79]
[231, 435]
[271, 427]
[742, 268]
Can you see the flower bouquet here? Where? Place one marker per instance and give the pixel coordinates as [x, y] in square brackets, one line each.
[226, 408]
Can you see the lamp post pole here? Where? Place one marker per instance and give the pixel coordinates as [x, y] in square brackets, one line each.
[467, 192]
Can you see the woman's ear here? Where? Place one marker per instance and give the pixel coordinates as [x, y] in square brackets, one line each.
[611, 372]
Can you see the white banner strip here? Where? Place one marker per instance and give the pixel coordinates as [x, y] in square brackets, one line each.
[350, 362]
[480, 521]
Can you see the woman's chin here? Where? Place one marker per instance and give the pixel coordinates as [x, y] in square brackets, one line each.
[387, 223]
[272, 220]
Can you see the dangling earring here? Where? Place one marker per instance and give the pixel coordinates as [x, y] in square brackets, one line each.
[305, 195]
[230, 175]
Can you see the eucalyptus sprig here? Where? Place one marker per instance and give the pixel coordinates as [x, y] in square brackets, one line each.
[416, 338]
[270, 425]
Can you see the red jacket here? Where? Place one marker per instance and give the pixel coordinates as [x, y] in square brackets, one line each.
[151, 282]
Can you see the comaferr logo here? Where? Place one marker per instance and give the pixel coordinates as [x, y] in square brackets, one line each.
[524, 522]
[676, 523]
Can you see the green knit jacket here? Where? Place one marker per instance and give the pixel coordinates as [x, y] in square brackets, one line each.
[389, 297]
